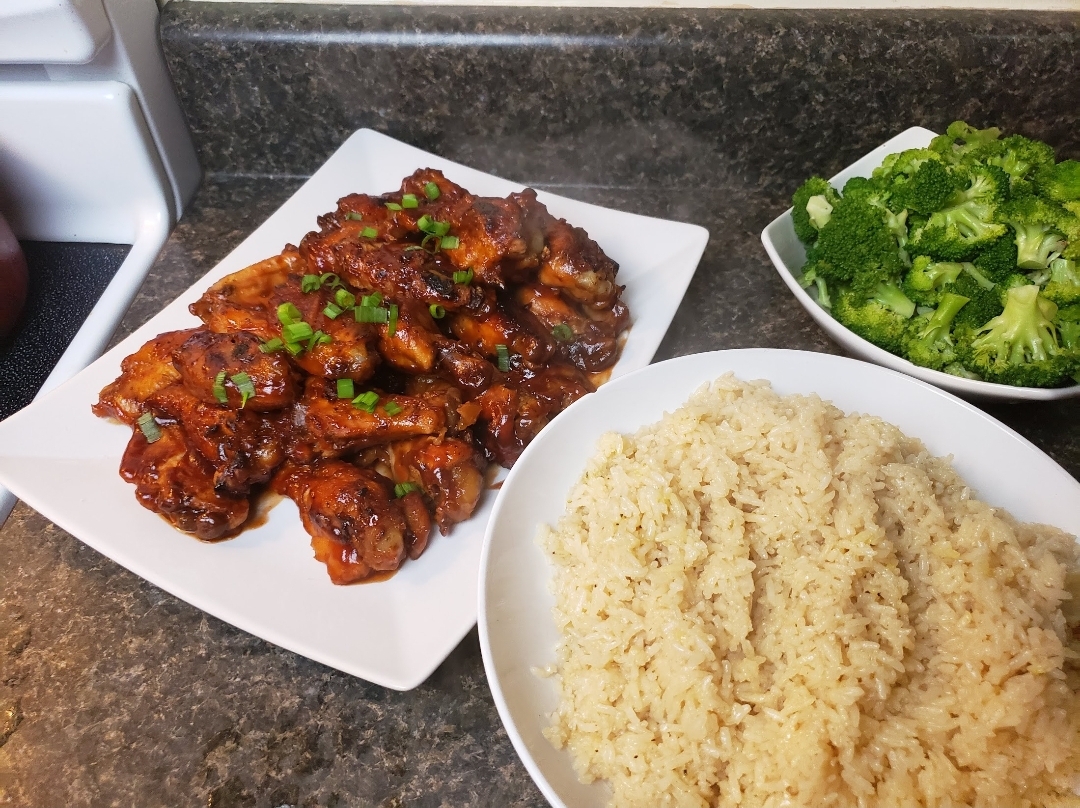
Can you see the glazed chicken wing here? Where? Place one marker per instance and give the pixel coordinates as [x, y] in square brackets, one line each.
[178, 483]
[143, 373]
[356, 524]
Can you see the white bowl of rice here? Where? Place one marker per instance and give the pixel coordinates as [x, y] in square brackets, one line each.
[715, 583]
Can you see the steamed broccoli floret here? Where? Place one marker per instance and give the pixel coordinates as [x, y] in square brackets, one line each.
[984, 300]
[811, 206]
[928, 341]
[917, 180]
[927, 277]
[871, 319]
[856, 247]
[1017, 156]
[1067, 321]
[967, 224]
[961, 139]
[1060, 182]
[1020, 345]
[1063, 287]
[998, 260]
[1036, 223]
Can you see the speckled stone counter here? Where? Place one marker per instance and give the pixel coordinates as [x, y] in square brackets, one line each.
[113, 693]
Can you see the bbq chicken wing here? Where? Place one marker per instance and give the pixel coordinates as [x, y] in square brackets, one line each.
[373, 372]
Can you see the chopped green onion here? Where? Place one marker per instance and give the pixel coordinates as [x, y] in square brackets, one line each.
[294, 348]
[562, 332]
[371, 300]
[440, 228]
[392, 408]
[431, 190]
[318, 338]
[430, 238]
[502, 356]
[332, 311]
[409, 201]
[450, 243]
[287, 314]
[412, 247]
[219, 388]
[149, 427]
[366, 401]
[352, 214]
[424, 223]
[369, 232]
[330, 278]
[345, 298]
[464, 276]
[391, 322]
[433, 226]
[437, 311]
[271, 345]
[345, 388]
[370, 314]
[245, 386]
[295, 332]
[309, 283]
[393, 206]
[401, 489]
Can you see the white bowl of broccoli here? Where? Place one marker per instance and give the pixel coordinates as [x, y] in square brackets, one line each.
[953, 258]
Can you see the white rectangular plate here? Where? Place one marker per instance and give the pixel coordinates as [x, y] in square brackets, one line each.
[63, 461]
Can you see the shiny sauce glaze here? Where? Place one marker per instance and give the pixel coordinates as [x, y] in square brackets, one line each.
[376, 374]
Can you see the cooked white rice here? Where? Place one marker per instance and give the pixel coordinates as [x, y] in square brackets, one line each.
[766, 602]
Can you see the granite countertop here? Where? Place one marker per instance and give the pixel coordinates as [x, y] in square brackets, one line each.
[114, 693]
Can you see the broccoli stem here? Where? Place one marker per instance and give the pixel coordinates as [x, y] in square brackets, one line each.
[980, 279]
[892, 298]
[819, 210]
[1021, 333]
[941, 321]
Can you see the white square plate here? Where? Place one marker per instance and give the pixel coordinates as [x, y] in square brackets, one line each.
[63, 461]
[789, 255]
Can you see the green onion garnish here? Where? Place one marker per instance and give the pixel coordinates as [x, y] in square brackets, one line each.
[431, 190]
[332, 311]
[433, 226]
[219, 388]
[345, 298]
[295, 332]
[318, 338]
[309, 283]
[393, 206]
[371, 300]
[370, 314]
[412, 247]
[450, 243]
[271, 345]
[352, 214]
[366, 401]
[424, 223]
[392, 408]
[430, 237]
[369, 232]
[409, 201]
[464, 276]
[294, 348]
[245, 386]
[150, 429]
[502, 356]
[330, 278]
[562, 332]
[345, 388]
[437, 311]
[401, 489]
[391, 322]
[287, 314]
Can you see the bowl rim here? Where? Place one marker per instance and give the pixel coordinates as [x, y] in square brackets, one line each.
[849, 340]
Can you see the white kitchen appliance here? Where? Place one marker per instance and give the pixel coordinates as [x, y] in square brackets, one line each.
[93, 149]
